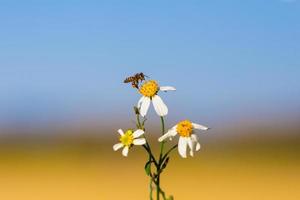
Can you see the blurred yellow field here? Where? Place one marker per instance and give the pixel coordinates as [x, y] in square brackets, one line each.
[104, 175]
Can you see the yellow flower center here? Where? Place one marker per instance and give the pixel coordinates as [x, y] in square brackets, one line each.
[127, 138]
[149, 88]
[184, 128]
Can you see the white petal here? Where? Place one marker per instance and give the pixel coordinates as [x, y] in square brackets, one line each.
[200, 127]
[194, 137]
[167, 88]
[120, 131]
[139, 141]
[125, 151]
[191, 146]
[117, 146]
[138, 133]
[145, 106]
[171, 133]
[198, 146]
[182, 145]
[195, 140]
[159, 106]
[174, 127]
[140, 102]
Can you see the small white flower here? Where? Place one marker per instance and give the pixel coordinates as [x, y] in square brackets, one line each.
[149, 91]
[187, 138]
[128, 139]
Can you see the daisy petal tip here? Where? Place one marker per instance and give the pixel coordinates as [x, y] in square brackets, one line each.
[140, 141]
[182, 146]
[138, 133]
[159, 106]
[167, 88]
[145, 103]
[200, 127]
[120, 131]
[125, 151]
[206, 128]
[161, 139]
[198, 146]
[116, 147]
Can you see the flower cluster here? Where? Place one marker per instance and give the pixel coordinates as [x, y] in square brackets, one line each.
[185, 129]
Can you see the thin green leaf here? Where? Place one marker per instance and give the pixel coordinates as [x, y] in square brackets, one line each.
[148, 167]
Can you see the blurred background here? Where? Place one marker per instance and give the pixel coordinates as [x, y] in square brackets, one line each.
[236, 68]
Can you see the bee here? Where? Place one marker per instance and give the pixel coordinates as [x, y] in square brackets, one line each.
[135, 79]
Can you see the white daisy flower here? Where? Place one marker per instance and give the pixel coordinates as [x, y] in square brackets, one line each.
[187, 138]
[149, 91]
[128, 139]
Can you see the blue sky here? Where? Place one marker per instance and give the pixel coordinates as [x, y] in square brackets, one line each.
[65, 60]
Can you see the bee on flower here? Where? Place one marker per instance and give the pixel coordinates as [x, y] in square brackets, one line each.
[187, 138]
[135, 79]
[149, 90]
[128, 139]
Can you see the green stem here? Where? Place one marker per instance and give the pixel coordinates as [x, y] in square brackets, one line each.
[157, 186]
[158, 163]
[158, 170]
[146, 146]
[150, 188]
[151, 155]
[163, 142]
[138, 121]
